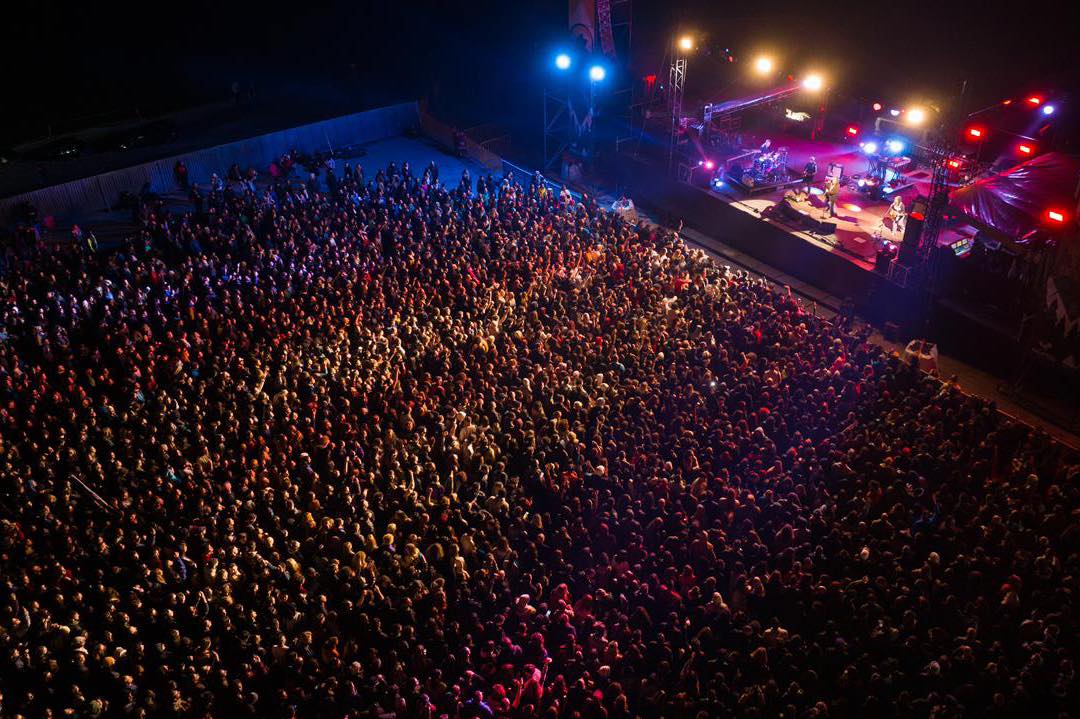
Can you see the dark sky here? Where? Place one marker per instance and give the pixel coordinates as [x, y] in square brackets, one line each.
[487, 59]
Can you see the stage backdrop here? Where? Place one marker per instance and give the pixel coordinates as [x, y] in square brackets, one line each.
[607, 36]
[583, 21]
[1012, 203]
[96, 193]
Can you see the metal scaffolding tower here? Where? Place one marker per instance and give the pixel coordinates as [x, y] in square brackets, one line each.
[938, 200]
[676, 91]
[560, 127]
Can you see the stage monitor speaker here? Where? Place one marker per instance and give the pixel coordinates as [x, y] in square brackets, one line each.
[884, 257]
[825, 228]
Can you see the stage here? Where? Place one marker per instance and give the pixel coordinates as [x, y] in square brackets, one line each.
[861, 221]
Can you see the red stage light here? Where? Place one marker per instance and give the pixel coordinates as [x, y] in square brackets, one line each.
[918, 216]
[1055, 215]
[1035, 100]
[954, 164]
[709, 164]
[1007, 102]
[1025, 149]
[975, 132]
[877, 107]
[852, 130]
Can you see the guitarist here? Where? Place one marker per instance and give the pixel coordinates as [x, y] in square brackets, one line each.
[832, 192]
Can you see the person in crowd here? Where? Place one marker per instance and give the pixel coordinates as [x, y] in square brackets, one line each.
[180, 173]
[394, 449]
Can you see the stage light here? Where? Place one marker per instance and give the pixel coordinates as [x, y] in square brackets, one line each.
[1035, 100]
[852, 131]
[1007, 102]
[1055, 215]
[1048, 109]
[870, 148]
[686, 42]
[894, 113]
[1025, 149]
[813, 82]
[916, 116]
[954, 164]
[763, 65]
[976, 133]
[710, 165]
[895, 146]
[877, 107]
[597, 73]
[562, 61]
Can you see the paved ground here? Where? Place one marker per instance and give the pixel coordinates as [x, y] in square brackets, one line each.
[111, 227]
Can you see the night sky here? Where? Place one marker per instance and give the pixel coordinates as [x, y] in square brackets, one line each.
[487, 60]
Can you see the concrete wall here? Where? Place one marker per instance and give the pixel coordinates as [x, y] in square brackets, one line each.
[96, 193]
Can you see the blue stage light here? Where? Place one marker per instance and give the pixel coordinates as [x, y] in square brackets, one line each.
[1048, 109]
[895, 146]
[562, 61]
[870, 148]
[597, 73]
[894, 113]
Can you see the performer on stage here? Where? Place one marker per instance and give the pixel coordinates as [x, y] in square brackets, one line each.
[764, 148]
[832, 192]
[897, 215]
[810, 170]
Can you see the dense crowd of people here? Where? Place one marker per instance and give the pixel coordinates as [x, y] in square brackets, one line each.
[379, 447]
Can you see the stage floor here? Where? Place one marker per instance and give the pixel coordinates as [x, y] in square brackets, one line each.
[859, 217]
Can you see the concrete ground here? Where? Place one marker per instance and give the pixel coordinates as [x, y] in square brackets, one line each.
[112, 226]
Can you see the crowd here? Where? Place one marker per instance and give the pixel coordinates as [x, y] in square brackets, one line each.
[383, 447]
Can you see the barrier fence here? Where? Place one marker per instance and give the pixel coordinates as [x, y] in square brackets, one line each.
[442, 133]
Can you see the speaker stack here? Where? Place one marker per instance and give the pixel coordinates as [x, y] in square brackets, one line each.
[909, 246]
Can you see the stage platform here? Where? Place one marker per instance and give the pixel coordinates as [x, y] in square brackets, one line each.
[853, 237]
[861, 223]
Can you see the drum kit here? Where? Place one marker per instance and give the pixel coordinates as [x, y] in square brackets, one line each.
[768, 168]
